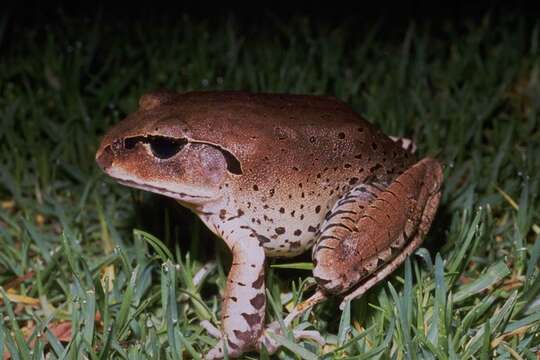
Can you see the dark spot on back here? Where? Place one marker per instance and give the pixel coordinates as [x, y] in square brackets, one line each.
[341, 135]
[317, 209]
[280, 230]
[297, 232]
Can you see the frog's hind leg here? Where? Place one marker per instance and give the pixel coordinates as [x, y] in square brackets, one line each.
[376, 229]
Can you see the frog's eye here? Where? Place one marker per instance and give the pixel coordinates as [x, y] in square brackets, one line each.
[164, 147]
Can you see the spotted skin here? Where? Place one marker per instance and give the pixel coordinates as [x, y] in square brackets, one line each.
[273, 176]
[244, 301]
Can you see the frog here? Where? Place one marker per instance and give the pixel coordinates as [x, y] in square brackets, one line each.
[275, 175]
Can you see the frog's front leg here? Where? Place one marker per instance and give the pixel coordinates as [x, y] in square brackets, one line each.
[371, 229]
[243, 307]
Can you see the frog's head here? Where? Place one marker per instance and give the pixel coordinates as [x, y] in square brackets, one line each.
[152, 150]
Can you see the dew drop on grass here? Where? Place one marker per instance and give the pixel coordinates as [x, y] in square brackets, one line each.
[205, 82]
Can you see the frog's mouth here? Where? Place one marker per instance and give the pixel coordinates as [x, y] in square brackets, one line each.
[160, 190]
[105, 161]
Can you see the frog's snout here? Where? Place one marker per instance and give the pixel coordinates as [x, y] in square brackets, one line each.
[104, 157]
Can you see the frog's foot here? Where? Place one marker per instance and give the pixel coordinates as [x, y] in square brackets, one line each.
[267, 340]
[318, 297]
[274, 328]
[210, 329]
[199, 277]
[203, 272]
[371, 230]
[406, 144]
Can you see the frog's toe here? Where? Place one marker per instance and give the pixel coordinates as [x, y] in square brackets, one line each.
[218, 351]
[313, 335]
[271, 345]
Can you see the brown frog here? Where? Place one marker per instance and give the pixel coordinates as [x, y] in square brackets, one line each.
[275, 175]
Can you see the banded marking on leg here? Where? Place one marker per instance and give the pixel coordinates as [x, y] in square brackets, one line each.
[343, 217]
[389, 222]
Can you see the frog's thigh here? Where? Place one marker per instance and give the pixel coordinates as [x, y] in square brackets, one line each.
[243, 308]
[363, 233]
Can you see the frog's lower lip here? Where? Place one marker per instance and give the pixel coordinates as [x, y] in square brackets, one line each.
[162, 191]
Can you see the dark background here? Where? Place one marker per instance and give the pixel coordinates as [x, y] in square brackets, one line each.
[395, 15]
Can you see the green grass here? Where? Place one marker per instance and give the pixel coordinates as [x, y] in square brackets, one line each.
[74, 244]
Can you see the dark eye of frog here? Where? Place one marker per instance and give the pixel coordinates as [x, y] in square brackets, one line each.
[162, 147]
[165, 148]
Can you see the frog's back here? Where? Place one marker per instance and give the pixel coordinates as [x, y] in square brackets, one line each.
[271, 130]
[261, 113]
